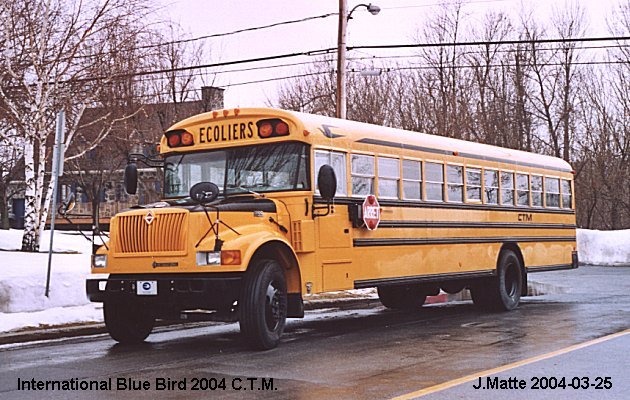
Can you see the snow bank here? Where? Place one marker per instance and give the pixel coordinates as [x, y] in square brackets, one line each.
[64, 242]
[23, 275]
[23, 281]
[56, 316]
[603, 247]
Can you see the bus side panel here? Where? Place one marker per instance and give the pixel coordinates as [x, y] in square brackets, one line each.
[405, 261]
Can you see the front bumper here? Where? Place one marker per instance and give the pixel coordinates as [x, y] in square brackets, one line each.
[174, 291]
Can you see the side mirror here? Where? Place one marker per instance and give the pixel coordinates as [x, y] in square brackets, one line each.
[327, 182]
[204, 192]
[131, 178]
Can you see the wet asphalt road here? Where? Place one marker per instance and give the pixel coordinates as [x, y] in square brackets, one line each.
[366, 352]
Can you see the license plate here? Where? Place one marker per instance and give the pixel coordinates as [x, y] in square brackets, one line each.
[146, 288]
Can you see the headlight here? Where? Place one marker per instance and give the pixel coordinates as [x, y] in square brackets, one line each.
[99, 261]
[208, 258]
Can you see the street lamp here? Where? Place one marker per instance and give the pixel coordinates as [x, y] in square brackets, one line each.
[344, 17]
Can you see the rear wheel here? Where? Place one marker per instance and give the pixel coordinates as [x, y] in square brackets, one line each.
[127, 323]
[401, 297]
[502, 292]
[263, 305]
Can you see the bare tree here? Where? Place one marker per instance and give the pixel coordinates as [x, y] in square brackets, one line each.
[555, 75]
[446, 84]
[173, 88]
[11, 161]
[53, 60]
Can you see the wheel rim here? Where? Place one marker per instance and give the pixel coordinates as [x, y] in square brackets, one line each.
[273, 306]
[511, 280]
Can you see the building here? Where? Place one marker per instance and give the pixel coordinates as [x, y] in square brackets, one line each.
[96, 178]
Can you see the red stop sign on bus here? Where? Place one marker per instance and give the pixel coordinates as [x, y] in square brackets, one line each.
[371, 212]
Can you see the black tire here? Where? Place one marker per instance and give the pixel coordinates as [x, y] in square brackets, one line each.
[127, 323]
[503, 292]
[401, 297]
[263, 305]
[452, 287]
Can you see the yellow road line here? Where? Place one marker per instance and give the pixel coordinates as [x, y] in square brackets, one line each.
[472, 377]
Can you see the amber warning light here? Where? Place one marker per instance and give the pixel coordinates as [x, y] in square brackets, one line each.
[179, 138]
[268, 128]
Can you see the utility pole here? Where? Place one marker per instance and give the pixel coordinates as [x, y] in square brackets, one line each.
[344, 17]
[341, 60]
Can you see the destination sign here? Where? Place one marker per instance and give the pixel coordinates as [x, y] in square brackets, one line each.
[226, 132]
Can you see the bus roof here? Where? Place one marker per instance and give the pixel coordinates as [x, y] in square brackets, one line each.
[328, 131]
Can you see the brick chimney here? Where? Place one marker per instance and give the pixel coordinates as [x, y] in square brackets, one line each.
[211, 98]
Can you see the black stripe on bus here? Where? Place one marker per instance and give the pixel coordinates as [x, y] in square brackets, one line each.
[545, 268]
[449, 276]
[450, 206]
[457, 240]
[403, 280]
[450, 153]
[458, 224]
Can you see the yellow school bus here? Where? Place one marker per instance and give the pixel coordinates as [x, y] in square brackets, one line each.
[263, 206]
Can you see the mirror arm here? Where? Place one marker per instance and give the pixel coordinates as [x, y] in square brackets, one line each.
[329, 207]
[148, 161]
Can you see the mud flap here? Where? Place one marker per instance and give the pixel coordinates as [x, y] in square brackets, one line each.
[295, 305]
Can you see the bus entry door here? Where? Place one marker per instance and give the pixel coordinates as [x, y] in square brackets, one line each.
[335, 252]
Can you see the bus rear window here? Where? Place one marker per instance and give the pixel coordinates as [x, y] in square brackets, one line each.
[566, 193]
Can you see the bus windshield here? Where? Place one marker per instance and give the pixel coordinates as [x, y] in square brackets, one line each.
[267, 168]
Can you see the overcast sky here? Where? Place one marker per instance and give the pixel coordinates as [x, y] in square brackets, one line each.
[397, 23]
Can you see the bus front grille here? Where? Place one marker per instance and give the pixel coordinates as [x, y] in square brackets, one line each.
[164, 234]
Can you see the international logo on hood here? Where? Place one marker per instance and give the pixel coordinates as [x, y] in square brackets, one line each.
[149, 218]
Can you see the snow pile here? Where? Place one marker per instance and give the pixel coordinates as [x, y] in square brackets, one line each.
[56, 316]
[604, 247]
[64, 242]
[23, 275]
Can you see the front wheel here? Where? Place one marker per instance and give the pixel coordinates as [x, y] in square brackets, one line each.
[263, 305]
[503, 292]
[127, 323]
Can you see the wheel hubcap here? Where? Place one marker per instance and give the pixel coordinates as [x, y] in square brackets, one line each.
[273, 307]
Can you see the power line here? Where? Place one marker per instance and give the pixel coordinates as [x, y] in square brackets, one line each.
[333, 49]
[325, 51]
[417, 45]
[385, 70]
[239, 31]
[491, 42]
[364, 58]
[220, 64]
[193, 39]
[444, 4]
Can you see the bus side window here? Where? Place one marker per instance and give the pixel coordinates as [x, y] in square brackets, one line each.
[338, 162]
[552, 192]
[491, 187]
[434, 181]
[566, 193]
[388, 176]
[473, 184]
[412, 180]
[507, 188]
[362, 175]
[455, 179]
[522, 190]
[537, 191]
